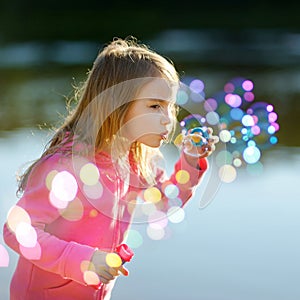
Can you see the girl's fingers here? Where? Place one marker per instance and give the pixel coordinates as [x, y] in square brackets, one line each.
[113, 271]
[206, 148]
[105, 276]
[103, 280]
[216, 139]
[209, 130]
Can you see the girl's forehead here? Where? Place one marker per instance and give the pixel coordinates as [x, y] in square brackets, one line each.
[159, 89]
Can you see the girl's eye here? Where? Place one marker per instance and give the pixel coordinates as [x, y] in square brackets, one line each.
[155, 106]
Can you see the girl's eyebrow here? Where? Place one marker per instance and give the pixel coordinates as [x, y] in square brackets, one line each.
[159, 100]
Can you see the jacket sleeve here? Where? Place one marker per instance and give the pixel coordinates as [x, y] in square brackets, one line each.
[181, 184]
[26, 229]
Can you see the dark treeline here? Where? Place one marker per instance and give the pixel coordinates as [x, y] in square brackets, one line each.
[52, 20]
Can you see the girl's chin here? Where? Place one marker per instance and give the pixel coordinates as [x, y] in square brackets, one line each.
[152, 145]
[153, 142]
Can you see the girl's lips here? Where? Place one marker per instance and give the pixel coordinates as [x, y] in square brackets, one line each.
[164, 135]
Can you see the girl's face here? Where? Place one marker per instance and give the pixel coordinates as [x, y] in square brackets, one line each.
[148, 121]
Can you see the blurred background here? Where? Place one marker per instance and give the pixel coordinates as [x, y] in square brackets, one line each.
[245, 244]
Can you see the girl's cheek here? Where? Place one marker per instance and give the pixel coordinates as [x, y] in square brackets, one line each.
[143, 126]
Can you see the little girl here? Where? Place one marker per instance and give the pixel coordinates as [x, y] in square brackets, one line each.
[78, 199]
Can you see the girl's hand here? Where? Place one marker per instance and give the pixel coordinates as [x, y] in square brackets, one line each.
[105, 272]
[200, 143]
[197, 143]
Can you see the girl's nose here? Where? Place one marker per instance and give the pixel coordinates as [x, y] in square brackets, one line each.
[166, 118]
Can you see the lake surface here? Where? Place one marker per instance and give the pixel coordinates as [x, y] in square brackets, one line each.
[244, 245]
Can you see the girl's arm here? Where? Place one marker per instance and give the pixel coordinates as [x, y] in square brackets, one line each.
[184, 179]
[189, 169]
[43, 249]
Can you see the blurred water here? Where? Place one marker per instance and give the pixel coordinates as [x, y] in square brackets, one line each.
[244, 245]
[37, 77]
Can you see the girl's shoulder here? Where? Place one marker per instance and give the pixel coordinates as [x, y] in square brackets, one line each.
[56, 160]
[49, 165]
[66, 162]
[67, 168]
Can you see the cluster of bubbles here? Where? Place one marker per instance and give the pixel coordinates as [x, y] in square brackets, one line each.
[246, 126]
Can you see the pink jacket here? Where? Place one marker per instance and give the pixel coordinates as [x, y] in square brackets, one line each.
[66, 236]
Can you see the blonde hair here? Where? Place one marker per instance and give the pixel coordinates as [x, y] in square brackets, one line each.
[117, 75]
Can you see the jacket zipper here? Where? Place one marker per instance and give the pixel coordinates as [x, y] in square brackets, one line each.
[116, 229]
